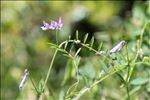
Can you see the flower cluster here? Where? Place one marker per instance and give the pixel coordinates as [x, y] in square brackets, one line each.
[53, 25]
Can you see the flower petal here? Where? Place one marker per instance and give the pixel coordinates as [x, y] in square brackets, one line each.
[24, 76]
[117, 48]
[45, 26]
[59, 24]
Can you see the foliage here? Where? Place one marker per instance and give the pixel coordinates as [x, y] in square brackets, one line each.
[81, 66]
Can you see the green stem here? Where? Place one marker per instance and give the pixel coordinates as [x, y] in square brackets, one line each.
[86, 46]
[127, 88]
[127, 78]
[56, 36]
[33, 83]
[76, 83]
[127, 55]
[125, 83]
[131, 70]
[50, 67]
[85, 89]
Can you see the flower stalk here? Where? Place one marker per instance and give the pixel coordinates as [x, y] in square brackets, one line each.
[50, 67]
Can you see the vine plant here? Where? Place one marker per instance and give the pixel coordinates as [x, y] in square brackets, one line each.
[112, 66]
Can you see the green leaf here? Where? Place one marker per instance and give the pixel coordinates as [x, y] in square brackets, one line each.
[146, 59]
[85, 79]
[88, 71]
[103, 66]
[71, 95]
[66, 55]
[40, 87]
[85, 38]
[65, 45]
[53, 45]
[148, 87]
[134, 90]
[139, 81]
[69, 37]
[77, 52]
[100, 46]
[72, 45]
[62, 50]
[69, 72]
[77, 60]
[92, 42]
[77, 35]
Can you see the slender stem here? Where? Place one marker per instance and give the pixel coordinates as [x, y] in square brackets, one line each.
[50, 67]
[56, 36]
[33, 83]
[86, 46]
[39, 97]
[142, 33]
[76, 70]
[85, 89]
[89, 48]
[138, 49]
[141, 40]
[126, 85]
[127, 88]
[127, 54]
[127, 78]
[96, 52]
[76, 83]
[130, 70]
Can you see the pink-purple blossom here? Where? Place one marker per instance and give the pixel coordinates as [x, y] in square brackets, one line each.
[45, 26]
[53, 25]
[117, 48]
[59, 24]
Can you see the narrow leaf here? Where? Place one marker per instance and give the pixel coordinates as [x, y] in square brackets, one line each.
[103, 66]
[77, 35]
[51, 44]
[53, 47]
[62, 50]
[100, 46]
[92, 42]
[72, 45]
[69, 37]
[68, 71]
[85, 38]
[139, 81]
[66, 55]
[40, 86]
[77, 52]
[146, 59]
[65, 45]
[85, 79]
[78, 58]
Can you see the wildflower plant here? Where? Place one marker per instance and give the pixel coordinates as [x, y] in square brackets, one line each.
[123, 66]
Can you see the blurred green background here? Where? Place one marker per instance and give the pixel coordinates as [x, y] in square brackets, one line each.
[25, 45]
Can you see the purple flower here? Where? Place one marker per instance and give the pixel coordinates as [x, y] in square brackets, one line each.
[59, 24]
[45, 26]
[117, 48]
[24, 76]
[53, 25]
